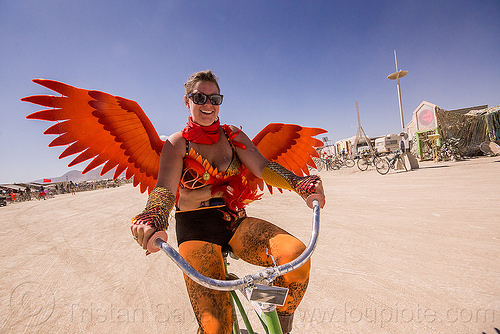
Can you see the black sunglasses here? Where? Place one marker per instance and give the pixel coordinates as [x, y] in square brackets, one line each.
[200, 98]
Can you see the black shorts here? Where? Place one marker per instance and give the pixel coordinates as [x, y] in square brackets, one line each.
[211, 224]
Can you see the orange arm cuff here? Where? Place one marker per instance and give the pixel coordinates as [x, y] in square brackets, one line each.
[278, 176]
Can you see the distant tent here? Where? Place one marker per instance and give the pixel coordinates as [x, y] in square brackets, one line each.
[471, 126]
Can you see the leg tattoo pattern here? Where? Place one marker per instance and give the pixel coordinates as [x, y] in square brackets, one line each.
[212, 308]
[251, 241]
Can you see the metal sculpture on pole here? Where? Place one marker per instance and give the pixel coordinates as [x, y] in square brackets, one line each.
[395, 76]
[412, 162]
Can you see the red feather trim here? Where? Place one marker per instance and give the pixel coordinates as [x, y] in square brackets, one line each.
[232, 135]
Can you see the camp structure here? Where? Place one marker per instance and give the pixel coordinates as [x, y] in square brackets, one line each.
[468, 128]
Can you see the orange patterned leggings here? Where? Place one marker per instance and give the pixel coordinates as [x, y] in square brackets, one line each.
[251, 239]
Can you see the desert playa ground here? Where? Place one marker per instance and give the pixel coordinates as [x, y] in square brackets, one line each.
[408, 252]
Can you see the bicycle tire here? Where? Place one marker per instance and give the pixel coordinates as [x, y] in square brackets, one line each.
[349, 163]
[375, 160]
[362, 164]
[382, 165]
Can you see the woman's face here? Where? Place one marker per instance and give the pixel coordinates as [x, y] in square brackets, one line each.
[207, 113]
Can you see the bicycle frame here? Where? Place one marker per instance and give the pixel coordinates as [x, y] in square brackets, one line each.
[257, 288]
[367, 159]
[386, 164]
[393, 161]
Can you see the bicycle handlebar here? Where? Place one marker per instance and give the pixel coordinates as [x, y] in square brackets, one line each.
[266, 275]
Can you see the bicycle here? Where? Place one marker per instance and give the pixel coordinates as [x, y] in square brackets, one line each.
[340, 162]
[367, 159]
[385, 164]
[322, 163]
[256, 288]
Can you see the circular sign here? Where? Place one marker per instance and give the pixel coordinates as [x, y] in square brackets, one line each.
[425, 117]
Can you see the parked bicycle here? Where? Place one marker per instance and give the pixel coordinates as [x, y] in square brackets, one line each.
[332, 163]
[323, 164]
[383, 165]
[367, 159]
[256, 288]
[340, 162]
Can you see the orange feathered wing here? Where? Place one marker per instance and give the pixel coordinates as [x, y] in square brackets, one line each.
[111, 130]
[290, 145]
[116, 132]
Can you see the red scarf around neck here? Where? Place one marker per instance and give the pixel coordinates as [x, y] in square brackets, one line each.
[202, 134]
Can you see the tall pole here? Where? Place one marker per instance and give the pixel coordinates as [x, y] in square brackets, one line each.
[412, 162]
[396, 75]
[399, 94]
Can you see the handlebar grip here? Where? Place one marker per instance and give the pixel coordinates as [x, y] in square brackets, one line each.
[151, 243]
[317, 197]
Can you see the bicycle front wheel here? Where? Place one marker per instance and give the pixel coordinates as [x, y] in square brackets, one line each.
[382, 165]
[349, 163]
[363, 164]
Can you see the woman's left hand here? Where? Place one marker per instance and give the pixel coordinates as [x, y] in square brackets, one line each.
[318, 190]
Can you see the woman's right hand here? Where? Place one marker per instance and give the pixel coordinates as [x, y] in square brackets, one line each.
[141, 233]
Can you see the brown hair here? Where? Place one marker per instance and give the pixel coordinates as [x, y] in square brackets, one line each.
[200, 76]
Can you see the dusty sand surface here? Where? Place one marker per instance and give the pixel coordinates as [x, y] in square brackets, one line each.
[414, 252]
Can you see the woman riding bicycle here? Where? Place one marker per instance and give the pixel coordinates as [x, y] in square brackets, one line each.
[203, 171]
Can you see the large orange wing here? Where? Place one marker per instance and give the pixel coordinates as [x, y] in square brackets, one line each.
[290, 145]
[111, 130]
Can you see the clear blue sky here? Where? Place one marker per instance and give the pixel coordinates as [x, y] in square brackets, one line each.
[304, 62]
